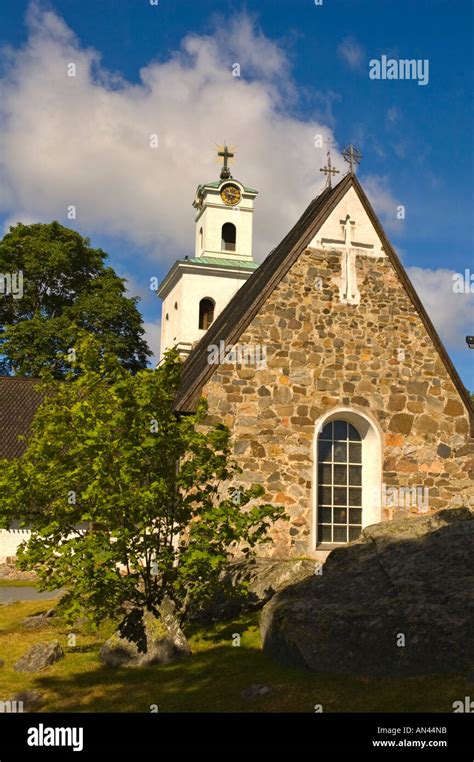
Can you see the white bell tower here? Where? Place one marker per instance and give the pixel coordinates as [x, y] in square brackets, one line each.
[197, 289]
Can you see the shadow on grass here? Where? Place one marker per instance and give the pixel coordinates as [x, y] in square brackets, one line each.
[213, 680]
[223, 631]
[206, 681]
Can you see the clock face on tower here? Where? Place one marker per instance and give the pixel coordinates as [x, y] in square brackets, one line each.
[230, 194]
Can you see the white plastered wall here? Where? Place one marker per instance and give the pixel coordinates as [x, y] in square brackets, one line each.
[183, 323]
[363, 232]
[10, 540]
[214, 215]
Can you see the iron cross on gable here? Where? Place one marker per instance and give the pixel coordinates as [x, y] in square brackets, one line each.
[348, 290]
[329, 170]
[352, 155]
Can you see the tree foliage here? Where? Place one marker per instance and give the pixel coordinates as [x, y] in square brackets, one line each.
[128, 503]
[67, 291]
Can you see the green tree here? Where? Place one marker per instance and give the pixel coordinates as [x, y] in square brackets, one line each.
[128, 502]
[67, 290]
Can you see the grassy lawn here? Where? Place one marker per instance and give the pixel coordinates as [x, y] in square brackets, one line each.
[210, 680]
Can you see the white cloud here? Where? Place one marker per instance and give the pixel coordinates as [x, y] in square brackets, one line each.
[85, 140]
[450, 312]
[351, 52]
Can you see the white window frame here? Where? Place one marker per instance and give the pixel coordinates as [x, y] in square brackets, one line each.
[372, 438]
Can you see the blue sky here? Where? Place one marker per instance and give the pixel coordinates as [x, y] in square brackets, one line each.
[304, 71]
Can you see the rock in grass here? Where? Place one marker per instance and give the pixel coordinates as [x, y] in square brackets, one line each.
[144, 639]
[39, 656]
[256, 690]
[36, 621]
[30, 699]
[398, 601]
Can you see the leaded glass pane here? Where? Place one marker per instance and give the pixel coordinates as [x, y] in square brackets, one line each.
[354, 533]
[355, 515]
[324, 495]
[340, 430]
[324, 533]
[324, 475]
[325, 451]
[340, 534]
[340, 475]
[325, 515]
[326, 433]
[355, 476]
[340, 496]
[355, 496]
[340, 515]
[340, 452]
[353, 433]
[355, 453]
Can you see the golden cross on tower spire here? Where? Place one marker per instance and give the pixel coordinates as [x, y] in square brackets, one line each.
[226, 154]
[329, 170]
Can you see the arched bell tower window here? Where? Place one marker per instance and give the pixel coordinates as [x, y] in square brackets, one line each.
[200, 239]
[229, 237]
[206, 312]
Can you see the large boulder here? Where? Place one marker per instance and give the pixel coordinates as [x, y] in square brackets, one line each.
[260, 578]
[264, 576]
[398, 601]
[145, 639]
[39, 656]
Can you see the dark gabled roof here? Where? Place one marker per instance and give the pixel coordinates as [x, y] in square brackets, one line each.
[20, 398]
[242, 308]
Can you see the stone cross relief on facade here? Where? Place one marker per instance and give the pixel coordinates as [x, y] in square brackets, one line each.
[348, 289]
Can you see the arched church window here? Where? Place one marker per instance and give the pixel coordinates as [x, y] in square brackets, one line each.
[206, 312]
[176, 305]
[229, 237]
[200, 239]
[167, 316]
[339, 499]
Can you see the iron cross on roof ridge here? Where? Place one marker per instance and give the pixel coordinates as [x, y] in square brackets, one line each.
[329, 170]
[352, 155]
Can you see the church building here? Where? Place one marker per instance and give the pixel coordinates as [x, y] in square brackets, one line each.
[351, 411]
[340, 397]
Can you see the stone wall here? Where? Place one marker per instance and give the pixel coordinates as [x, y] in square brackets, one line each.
[321, 353]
